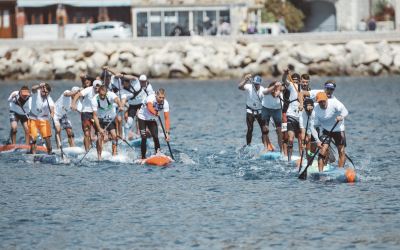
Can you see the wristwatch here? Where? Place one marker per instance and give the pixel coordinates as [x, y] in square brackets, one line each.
[168, 132]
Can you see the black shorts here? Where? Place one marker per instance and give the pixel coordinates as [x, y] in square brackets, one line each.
[339, 138]
[104, 124]
[133, 109]
[293, 125]
[15, 117]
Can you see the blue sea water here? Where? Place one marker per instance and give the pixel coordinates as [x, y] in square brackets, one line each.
[214, 196]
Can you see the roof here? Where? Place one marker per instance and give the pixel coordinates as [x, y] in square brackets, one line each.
[77, 3]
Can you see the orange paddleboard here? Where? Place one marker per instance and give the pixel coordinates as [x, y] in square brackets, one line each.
[158, 160]
[11, 147]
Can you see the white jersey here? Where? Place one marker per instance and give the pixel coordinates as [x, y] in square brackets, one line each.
[253, 98]
[40, 109]
[88, 94]
[326, 117]
[293, 109]
[313, 94]
[63, 104]
[138, 92]
[106, 110]
[270, 102]
[144, 112]
[115, 85]
[14, 105]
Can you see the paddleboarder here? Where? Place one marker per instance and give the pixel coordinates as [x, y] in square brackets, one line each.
[327, 113]
[253, 106]
[20, 103]
[38, 116]
[148, 115]
[329, 88]
[104, 115]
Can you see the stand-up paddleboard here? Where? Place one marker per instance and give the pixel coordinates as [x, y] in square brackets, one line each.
[28, 147]
[329, 172]
[45, 159]
[71, 151]
[159, 160]
[138, 142]
[94, 138]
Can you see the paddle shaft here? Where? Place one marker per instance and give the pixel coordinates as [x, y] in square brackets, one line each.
[125, 142]
[162, 126]
[304, 142]
[303, 176]
[97, 138]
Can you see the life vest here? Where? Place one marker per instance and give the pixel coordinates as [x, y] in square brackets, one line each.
[108, 102]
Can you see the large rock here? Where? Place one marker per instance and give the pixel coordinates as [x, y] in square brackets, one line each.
[254, 50]
[99, 47]
[323, 69]
[242, 50]
[309, 52]
[195, 55]
[65, 74]
[178, 70]
[159, 71]
[126, 58]
[237, 61]
[24, 53]
[257, 69]
[135, 50]
[361, 70]
[394, 70]
[99, 59]
[166, 58]
[113, 60]
[46, 58]
[334, 50]
[5, 52]
[41, 71]
[139, 66]
[375, 68]
[85, 50]
[199, 71]
[189, 62]
[215, 64]
[396, 60]
[383, 47]
[264, 56]
[70, 54]
[355, 44]
[110, 48]
[199, 40]
[247, 61]
[283, 46]
[386, 59]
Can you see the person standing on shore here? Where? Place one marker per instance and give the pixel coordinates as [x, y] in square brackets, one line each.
[254, 93]
[271, 107]
[42, 107]
[20, 106]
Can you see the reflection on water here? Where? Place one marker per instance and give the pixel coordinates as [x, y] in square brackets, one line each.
[213, 196]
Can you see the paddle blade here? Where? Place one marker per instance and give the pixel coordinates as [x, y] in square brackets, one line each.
[303, 176]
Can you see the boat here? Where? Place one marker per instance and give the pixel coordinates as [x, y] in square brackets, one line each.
[159, 159]
[4, 148]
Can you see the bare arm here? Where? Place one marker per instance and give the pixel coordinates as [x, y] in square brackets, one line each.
[96, 121]
[242, 83]
[300, 97]
[52, 111]
[120, 104]
[269, 90]
[284, 77]
[76, 97]
[71, 93]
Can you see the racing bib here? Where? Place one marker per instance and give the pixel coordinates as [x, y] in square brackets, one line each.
[284, 127]
[64, 121]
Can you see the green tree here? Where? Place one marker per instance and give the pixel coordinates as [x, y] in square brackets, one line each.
[274, 9]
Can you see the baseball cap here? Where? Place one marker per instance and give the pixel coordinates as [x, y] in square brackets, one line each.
[143, 78]
[105, 74]
[257, 80]
[75, 88]
[321, 96]
[97, 82]
[330, 85]
[25, 92]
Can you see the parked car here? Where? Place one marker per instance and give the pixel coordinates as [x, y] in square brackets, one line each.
[107, 30]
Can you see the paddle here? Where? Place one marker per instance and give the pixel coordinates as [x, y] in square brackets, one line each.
[125, 142]
[9, 138]
[27, 117]
[303, 176]
[55, 131]
[304, 141]
[91, 146]
[346, 157]
[162, 126]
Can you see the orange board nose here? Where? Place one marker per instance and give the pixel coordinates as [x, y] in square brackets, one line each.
[350, 175]
[298, 162]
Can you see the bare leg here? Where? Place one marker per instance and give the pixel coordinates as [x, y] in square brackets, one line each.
[321, 161]
[279, 133]
[313, 149]
[290, 144]
[26, 128]
[114, 142]
[70, 140]
[99, 147]
[58, 133]
[48, 145]
[14, 127]
[33, 145]
[86, 139]
[342, 156]
[265, 138]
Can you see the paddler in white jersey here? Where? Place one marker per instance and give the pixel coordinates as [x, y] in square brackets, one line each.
[104, 114]
[327, 113]
[20, 106]
[87, 113]
[329, 88]
[305, 127]
[271, 107]
[114, 85]
[253, 105]
[293, 113]
[135, 91]
[61, 110]
[148, 116]
[39, 115]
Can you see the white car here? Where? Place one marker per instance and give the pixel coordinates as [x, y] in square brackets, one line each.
[107, 30]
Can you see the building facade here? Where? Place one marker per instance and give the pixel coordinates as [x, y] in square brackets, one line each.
[8, 26]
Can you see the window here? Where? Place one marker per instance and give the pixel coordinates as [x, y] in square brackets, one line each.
[1, 18]
[224, 15]
[155, 21]
[6, 19]
[183, 19]
[78, 16]
[126, 26]
[170, 22]
[142, 24]
[37, 17]
[109, 26]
